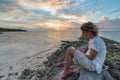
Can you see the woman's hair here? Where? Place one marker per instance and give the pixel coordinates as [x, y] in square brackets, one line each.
[89, 27]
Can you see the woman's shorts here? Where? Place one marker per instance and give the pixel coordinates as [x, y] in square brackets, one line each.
[81, 60]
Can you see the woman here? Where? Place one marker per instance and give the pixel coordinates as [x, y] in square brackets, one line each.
[91, 60]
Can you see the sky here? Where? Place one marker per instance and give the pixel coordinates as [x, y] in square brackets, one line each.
[59, 15]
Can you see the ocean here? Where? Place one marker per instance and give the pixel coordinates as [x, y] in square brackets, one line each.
[17, 45]
[14, 46]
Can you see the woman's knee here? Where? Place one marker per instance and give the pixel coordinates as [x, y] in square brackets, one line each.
[70, 50]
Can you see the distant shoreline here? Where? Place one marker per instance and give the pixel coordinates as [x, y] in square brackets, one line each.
[11, 30]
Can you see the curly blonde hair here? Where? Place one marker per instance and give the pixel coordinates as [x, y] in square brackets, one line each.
[89, 27]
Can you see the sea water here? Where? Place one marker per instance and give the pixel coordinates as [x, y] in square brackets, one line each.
[17, 45]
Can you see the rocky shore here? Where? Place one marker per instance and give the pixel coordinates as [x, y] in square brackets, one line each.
[47, 70]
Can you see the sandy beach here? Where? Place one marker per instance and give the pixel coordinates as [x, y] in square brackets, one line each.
[12, 71]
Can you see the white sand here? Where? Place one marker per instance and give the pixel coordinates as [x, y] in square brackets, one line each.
[9, 72]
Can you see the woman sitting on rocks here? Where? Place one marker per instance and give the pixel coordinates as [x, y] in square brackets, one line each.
[91, 60]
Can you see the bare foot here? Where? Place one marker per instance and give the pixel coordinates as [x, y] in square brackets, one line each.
[62, 64]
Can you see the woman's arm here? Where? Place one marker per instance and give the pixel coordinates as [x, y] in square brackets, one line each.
[81, 50]
[92, 54]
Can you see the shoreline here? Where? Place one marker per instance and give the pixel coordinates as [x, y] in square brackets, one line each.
[46, 69]
[13, 70]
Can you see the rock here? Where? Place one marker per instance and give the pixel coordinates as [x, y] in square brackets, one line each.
[91, 75]
[1, 76]
[87, 75]
[81, 74]
[11, 67]
[114, 68]
[65, 41]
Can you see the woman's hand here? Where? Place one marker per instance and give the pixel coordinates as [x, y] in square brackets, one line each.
[81, 50]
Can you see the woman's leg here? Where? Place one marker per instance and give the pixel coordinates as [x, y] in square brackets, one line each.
[69, 58]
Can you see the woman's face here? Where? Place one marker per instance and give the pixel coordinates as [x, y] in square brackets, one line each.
[86, 34]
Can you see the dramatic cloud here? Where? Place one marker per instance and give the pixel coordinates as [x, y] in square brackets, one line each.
[46, 5]
[49, 14]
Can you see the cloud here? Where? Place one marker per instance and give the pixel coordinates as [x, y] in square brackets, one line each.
[52, 6]
[110, 24]
[56, 25]
[12, 24]
[22, 16]
[79, 18]
[104, 18]
[55, 7]
[55, 14]
[47, 5]
[114, 11]
[9, 6]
